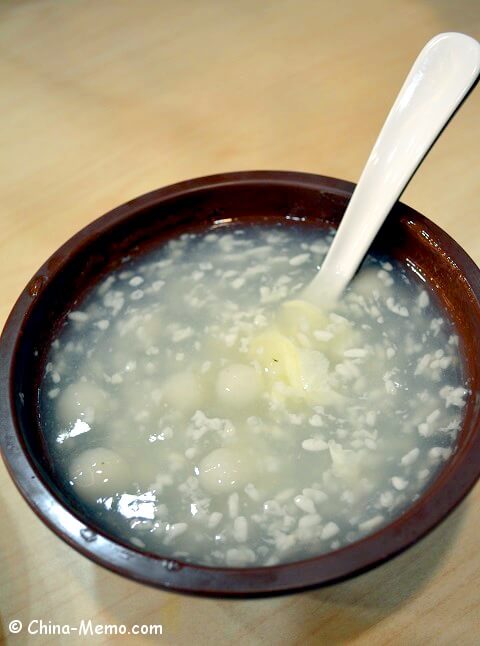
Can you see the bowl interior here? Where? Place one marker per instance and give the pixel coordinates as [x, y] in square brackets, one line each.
[224, 201]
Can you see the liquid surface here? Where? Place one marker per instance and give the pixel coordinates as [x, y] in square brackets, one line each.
[199, 409]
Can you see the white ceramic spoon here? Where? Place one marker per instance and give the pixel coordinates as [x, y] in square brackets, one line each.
[439, 80]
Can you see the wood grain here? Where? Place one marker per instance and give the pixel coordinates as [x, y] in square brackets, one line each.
[102, 101]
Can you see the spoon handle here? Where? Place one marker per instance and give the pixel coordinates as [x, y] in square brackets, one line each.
[439, 80]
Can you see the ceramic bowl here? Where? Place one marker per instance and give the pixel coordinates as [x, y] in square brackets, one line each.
[224, 200]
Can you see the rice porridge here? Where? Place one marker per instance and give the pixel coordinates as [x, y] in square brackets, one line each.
[199, 409]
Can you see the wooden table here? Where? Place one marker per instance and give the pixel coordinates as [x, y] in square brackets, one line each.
[104, 100]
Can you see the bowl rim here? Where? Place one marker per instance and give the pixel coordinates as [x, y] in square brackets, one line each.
[451, 485]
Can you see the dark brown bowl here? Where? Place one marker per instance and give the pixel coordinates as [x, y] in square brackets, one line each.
[223, 200]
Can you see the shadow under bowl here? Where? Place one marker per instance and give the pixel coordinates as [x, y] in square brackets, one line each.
[247, 198]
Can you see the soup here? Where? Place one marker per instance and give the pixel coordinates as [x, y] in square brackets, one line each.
[199, 409]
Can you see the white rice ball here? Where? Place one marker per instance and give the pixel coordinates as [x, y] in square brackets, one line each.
[183, 392]
[238, 385]
[225, 470]
[99, 472]
[81, 400]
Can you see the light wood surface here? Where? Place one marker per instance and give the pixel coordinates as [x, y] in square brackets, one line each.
[103, 100]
